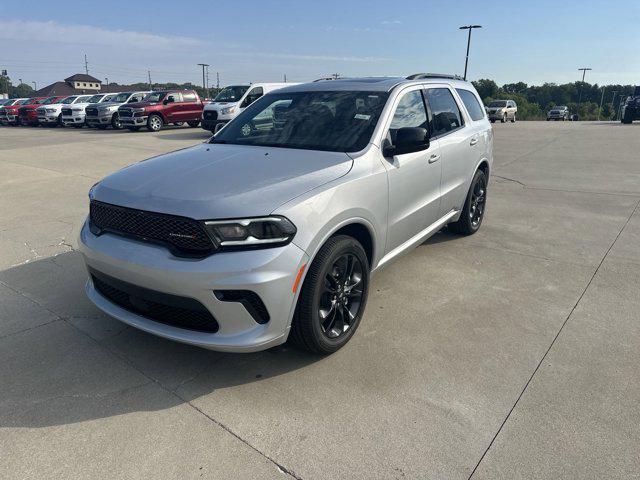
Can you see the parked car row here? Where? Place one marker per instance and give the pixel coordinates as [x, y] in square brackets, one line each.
[131, 110]
[136, 109]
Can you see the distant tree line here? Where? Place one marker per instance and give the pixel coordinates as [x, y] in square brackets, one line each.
[535, 101]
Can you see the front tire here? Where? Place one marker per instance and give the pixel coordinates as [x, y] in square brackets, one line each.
[115, 122]
[504, 119]
[154, 123]
[333, 297]
[513, 120]
[194, 123]
[474, 206]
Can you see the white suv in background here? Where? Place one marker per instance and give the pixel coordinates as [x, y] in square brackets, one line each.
[52, 114]
[234, 99]
[73, 115]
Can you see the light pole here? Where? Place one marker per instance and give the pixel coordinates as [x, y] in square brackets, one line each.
[34, 86]
[203, 65]
[466, 60]
[601, 102]
[584, 72]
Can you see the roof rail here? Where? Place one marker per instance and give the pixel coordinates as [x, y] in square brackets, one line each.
[419, 76]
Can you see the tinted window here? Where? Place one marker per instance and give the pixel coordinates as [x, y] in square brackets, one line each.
[471, 102]
[331, 121]
[175, 97]
[189, 97]
[444, 110]
[252, 96]
[410, 112]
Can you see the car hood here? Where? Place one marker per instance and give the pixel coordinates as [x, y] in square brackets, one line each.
[141, 104]
[213, 181]
[107, 104]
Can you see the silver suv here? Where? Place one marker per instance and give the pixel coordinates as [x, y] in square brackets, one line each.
[271, 230]
[502, 110]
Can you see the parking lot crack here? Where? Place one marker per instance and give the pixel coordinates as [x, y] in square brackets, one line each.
[555, 338]
[509, 180]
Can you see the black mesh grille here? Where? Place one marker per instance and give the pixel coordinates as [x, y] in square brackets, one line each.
[183, 235]
[92, 111]
[211, 114]
[23, 111]
[181, 312]
[66, 112]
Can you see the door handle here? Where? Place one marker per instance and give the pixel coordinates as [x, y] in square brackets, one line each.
[473, 141]
[434, 158]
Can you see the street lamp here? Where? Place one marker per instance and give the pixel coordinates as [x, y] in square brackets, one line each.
[584, 72]
[466, 61]
[204, 85]
[34, 86]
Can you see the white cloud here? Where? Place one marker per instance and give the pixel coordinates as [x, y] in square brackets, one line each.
[391, 22]
[19, 30]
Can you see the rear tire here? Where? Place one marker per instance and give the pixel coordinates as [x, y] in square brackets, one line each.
[194, 123]
[627, 118]
[474, 206]
[333, 297]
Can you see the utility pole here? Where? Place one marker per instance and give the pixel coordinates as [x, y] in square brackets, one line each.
[584, 72]
[466, 60]
[203, 65]
[86, 64]
[285, 78]
[218, 80]
[107, 79]
[207, 90]
[150, 84]
[601, 102]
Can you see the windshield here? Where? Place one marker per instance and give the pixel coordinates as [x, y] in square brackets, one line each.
[121, 97]
[108, 98]
[231, 94]
[155, 97]
[498, 103]
[26, 101]
[332, 121]
[49, 101]
[68, 100]
[94, 99]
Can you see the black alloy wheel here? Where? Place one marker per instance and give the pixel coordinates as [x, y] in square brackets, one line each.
[474, 207]
[332, 298]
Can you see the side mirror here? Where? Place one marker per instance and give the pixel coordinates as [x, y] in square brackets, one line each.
[168, 100]
[408, 140]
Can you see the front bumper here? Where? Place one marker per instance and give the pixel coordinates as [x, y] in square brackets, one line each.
[133, 121]
[496, 116]
[270, 273]
[211, 124]
[73, 119]
[43, 120]
[99, 120]
[8, 119]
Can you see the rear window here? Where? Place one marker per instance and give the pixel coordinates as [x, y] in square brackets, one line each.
[471, 102]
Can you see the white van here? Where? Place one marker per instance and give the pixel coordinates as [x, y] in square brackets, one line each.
[234, 99]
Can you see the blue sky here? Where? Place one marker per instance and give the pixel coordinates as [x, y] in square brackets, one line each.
[531, 41]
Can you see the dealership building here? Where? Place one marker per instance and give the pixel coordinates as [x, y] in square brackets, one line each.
[78, 84]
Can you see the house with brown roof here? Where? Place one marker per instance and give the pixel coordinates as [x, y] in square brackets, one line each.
[78, 84]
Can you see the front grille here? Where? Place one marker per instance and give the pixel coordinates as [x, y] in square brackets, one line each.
[93, 112]
[174, 310]
[23, 111]
[210, 114]
[40, 111]
[125, 112]
[184, 236]
[67, 112]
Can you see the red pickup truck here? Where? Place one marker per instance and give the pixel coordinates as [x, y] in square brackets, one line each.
[27, 114]
[9, 111]
[161, 108]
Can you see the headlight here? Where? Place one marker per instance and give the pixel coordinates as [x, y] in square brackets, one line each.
[50, 110]
[228, 110]
[251, 232]
[92, 189]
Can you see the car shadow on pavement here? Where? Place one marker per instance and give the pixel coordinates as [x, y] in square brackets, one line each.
[62, 361]
[187, 134]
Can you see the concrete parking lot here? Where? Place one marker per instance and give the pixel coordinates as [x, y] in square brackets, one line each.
[510, 354]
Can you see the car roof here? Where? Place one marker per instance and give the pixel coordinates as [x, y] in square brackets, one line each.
[376, 84]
